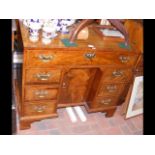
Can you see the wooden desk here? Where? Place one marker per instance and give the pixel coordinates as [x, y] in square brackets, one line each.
[55, 76]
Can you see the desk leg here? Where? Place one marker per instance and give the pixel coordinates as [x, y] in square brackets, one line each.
[110, 112]
[25, 125]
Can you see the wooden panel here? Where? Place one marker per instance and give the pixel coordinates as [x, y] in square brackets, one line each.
[40, 93]
[135, 30]
[117, 58]
[47, 58]
[110, 89]
[42, 76]
[39, 108]
[105, 101]
[123, 95]
[76, 85]
[117, 75]
[139, 65]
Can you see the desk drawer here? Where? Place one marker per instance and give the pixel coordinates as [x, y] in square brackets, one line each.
[34, 93]
[41, 76]
[110, 58]
[117, 75]
[105, 101]
[47, 58]
[111, 89]
[50, 58]
[39, 108]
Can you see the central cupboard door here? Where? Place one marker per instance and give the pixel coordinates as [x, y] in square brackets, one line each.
[76, 85]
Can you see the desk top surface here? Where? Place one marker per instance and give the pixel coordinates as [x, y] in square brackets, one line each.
[93, 39]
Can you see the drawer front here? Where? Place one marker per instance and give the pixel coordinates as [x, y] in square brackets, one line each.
[34, 93]
[123, 59]
[105, 101]
[117, 75]
[40, 108]
[111, 89]
[48, 75]
[49, 58]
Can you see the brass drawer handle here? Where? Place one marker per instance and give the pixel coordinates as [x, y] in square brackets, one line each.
[43, 76]
[39, 109]
[63, 85]
[124, 59]
[45, 58]
[111, 88]
[106, 101]
[89, 55]
[117, 73]
[41, 93]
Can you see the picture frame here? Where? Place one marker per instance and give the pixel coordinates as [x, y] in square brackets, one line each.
[135, 105]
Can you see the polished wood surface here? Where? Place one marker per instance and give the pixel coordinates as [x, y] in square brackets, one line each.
[39, 108]
[34, 93]
[55, 76]
[105, 101]
[75, 85]
[40, 58]
[135, 29]
[139, 66]
[48, 58]
[120, 75]
[43, 75]
[56, 43]
[110, 89]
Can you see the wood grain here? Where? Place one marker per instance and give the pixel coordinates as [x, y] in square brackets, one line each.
[70, 76]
